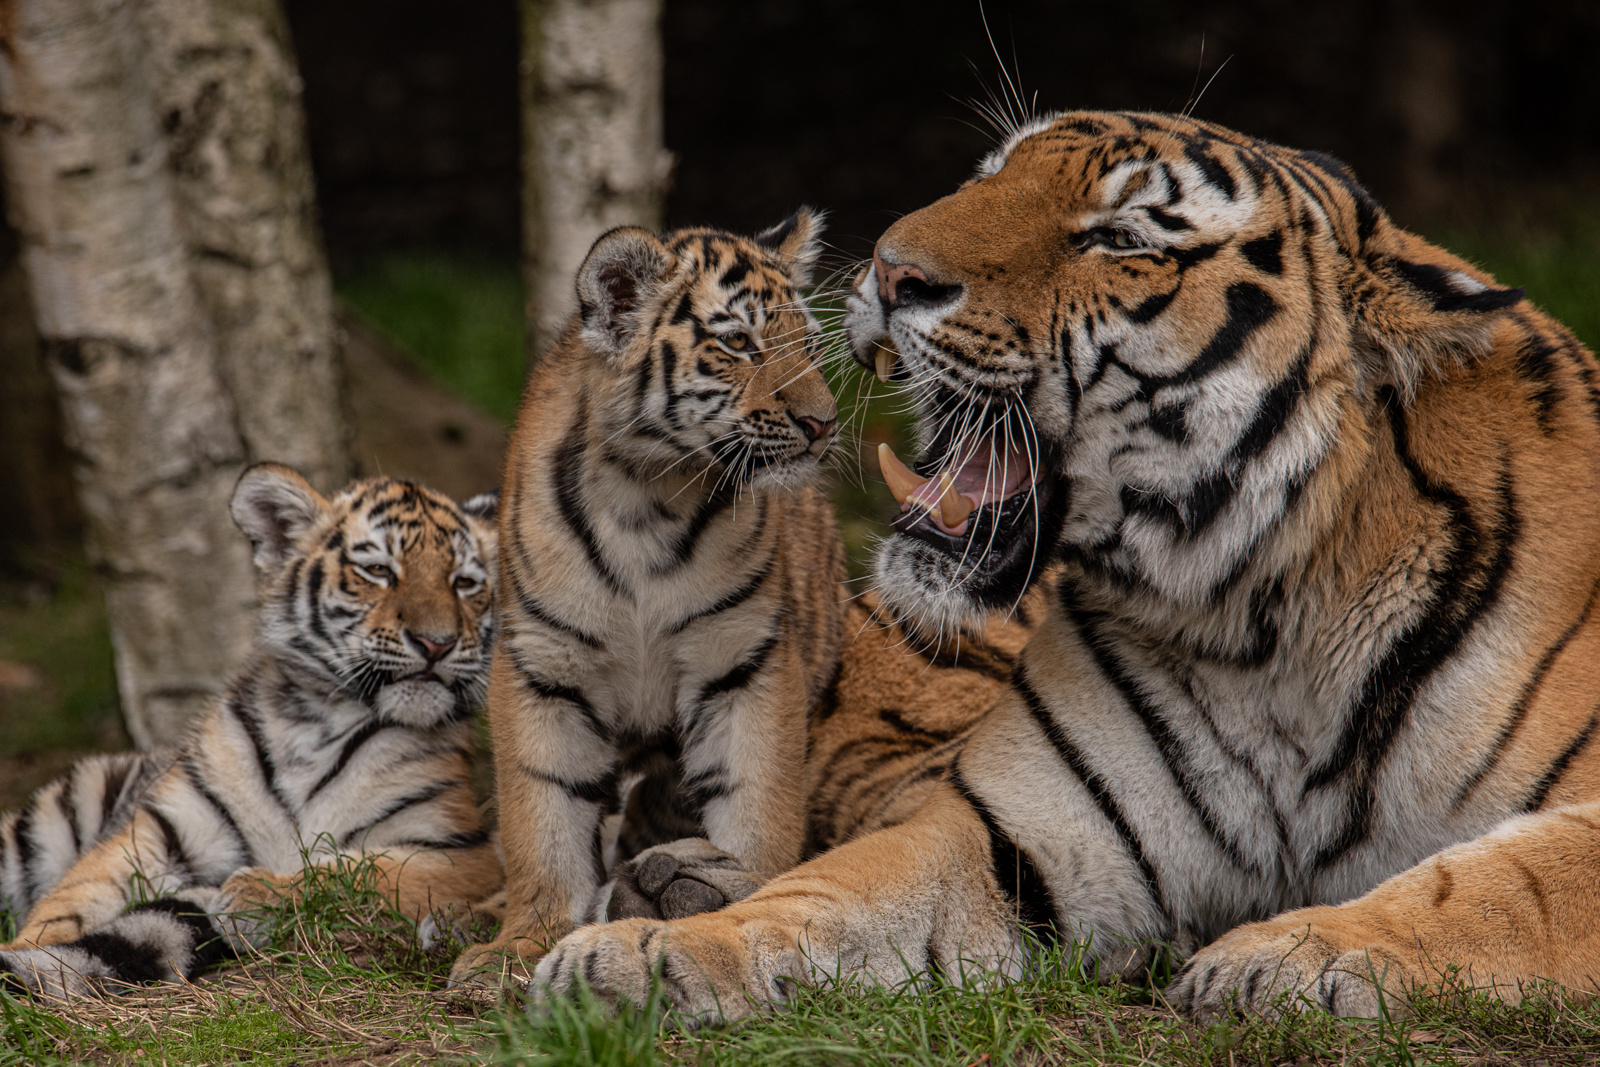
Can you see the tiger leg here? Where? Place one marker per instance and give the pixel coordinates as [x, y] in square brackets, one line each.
[416, 882]
[1518, 905]
[553, 777]
[881, 907]
[101, 884]
[745, 757]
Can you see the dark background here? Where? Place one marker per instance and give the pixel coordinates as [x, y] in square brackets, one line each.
[1446, 110]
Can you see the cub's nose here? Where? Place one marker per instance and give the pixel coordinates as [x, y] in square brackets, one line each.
[433, 647]
[815, 429]
[904, 285]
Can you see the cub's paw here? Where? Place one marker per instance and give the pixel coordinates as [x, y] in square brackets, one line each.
[1287, 964]
[461, 922]
[500, 962]
[706, 975]
[673, 881]
[255, 888]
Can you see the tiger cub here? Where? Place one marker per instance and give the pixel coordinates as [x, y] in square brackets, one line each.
[671, 582]
[347, 732]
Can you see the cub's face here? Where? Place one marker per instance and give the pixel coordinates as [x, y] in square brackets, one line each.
[383, 592]
[712, 351]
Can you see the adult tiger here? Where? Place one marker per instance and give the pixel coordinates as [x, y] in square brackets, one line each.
[1325, 498]
[348, 733]
[673, 582]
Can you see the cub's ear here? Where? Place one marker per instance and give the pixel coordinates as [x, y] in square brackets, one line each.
[623, 270]
[485, 507]
[1421, 310]
[797, 240]
[274, 506]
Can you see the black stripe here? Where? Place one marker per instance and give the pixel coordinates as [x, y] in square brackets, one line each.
[127, 960]
[533, 610]
[252, 729]
[556, 691]
[361, 736]
[567, 479]
[116, 779]
[458, 840]
[1463, 592]
[742, 672]
[689, 539]
[1015, 871]
[1558, 767]
[1265, 254]
[247, 854]
[171, 840]
[600, 790]
[1211, 167]
[1155, 725]
[1519, 709]
[410, 800]
[69, 811]
[1096, 787]
[1250, 307]
[730, 600]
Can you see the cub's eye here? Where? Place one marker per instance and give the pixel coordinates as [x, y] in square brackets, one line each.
[735, 342]
[1124, 239]
[376, 573]
[465, 584]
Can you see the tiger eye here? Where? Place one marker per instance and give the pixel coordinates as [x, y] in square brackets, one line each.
[1122, 239]
[736, 341]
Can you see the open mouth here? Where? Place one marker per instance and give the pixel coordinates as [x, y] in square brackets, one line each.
[984, 506]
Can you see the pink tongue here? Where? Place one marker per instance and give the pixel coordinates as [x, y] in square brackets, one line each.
[984, 476]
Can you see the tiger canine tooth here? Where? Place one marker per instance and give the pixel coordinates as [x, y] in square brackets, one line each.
[883, 363]
[953, 507]
[901, 479]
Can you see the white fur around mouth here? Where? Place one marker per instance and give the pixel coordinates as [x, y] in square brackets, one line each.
[416, 701]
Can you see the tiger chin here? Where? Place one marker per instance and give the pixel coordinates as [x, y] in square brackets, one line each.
[1315, 699]
[346, 735]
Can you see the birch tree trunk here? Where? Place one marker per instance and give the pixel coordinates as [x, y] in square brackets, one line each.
[592, 154]
[164, 379]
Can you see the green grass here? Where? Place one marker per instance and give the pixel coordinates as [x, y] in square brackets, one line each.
[459, 317]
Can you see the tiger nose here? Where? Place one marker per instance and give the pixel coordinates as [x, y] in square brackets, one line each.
[815, 428]
[907, 285]
[433, 648]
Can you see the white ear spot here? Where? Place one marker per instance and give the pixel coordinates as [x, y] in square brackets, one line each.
[1465, 284]
[274, 506]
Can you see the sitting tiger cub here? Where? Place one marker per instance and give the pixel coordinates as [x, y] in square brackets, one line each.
[671, 582]
[347, 732]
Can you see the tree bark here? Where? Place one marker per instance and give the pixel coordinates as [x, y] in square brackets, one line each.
[163, 367]
[592, 140]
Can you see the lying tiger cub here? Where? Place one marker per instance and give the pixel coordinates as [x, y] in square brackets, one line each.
[347, 733]
[671, 582]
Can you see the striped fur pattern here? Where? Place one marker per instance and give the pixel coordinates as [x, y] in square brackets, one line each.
[1325, 639]
[347, 733]
[671, 582]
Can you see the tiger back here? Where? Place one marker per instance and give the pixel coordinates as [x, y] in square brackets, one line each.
[346, 734]
[671, 579]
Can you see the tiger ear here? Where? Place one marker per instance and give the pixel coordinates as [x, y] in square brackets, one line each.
[622, 271]
[1420, 310]
[797, 240]
[485, 507]
[274, 506]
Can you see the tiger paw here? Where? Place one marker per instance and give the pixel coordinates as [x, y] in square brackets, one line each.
[1292, 963]
[673, 881]
[255, 888]
[500, 962]
[709, 971]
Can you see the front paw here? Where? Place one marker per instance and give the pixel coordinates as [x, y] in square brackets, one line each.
[255, 888]
[702, 973]
[673, 881]
[1291, 964]
[500, 962]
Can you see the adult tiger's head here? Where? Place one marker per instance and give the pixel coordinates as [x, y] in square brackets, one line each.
[1133, 339]
[708, 351]
[383, 592]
